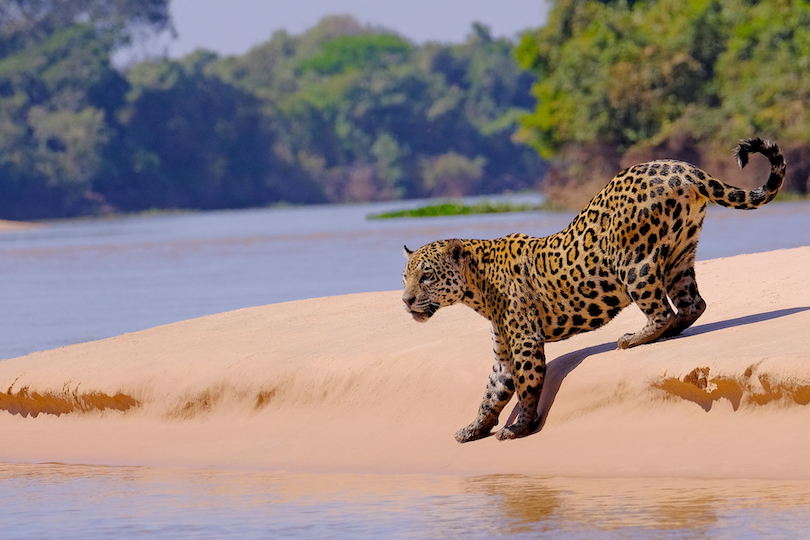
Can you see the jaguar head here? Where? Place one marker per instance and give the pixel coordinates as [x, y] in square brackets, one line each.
[433, 278]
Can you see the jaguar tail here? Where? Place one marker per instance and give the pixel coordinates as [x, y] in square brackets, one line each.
[726, 195]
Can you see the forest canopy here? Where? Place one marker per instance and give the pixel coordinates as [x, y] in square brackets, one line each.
[345, 112]
[342, 112]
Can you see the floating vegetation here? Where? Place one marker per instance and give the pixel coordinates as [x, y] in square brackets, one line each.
[460, 209]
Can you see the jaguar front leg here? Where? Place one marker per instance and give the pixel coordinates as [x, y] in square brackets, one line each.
[529, 372]
[500, 387]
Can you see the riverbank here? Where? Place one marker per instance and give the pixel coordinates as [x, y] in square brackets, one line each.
[352, 384]
[8, 225]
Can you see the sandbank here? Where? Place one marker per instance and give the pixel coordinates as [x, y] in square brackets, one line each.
[7, 225]
[353, 384]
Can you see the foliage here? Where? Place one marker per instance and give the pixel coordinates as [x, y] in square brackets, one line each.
[764, 76]
[369, 116]
[455, 209]
[341, 112]
[55, 98]
[344, 53]
[452, 174]
[622, 81]
[59, 96]
[344, 112]
[192, 141]
[618, 74]
[23, 22]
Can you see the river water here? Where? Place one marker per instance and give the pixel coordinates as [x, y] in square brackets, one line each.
[83, 280]
[70, 501]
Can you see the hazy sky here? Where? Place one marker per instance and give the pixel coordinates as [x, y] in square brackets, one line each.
[234, 26]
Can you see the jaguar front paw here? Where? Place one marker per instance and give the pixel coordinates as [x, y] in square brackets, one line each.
[515, 431]
[472, 432]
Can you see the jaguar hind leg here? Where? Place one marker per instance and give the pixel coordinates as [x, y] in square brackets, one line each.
[646, 288]
[687, 300]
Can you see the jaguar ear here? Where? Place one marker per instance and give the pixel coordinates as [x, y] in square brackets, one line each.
[455, 249]
[408, 252]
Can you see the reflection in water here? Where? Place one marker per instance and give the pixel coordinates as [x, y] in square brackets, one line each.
[524, 501]
[53, 500]
[640, 508]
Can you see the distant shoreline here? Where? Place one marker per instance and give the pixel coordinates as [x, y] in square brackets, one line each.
[8, 226]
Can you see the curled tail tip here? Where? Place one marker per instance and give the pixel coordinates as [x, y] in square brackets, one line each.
[755, 145]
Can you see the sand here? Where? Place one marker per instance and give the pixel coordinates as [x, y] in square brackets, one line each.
[353, 384]
[7, 226]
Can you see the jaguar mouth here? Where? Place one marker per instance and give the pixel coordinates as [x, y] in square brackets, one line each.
[422, 316]
[419, 316]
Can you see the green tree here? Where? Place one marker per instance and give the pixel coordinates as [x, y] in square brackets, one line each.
[56, 98]
[348, 52]
[764, 82]
[618, 74]
[452, 174]
[26, 21]
[620, 82]
[340, 112]
[195, 141]
[59, 95]
[361, 110]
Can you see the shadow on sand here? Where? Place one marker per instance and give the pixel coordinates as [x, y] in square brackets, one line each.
[559, 368]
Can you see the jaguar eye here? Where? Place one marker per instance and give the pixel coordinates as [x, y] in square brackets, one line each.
[426, 277]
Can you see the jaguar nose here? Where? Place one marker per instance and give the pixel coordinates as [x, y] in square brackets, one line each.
[408, 300]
